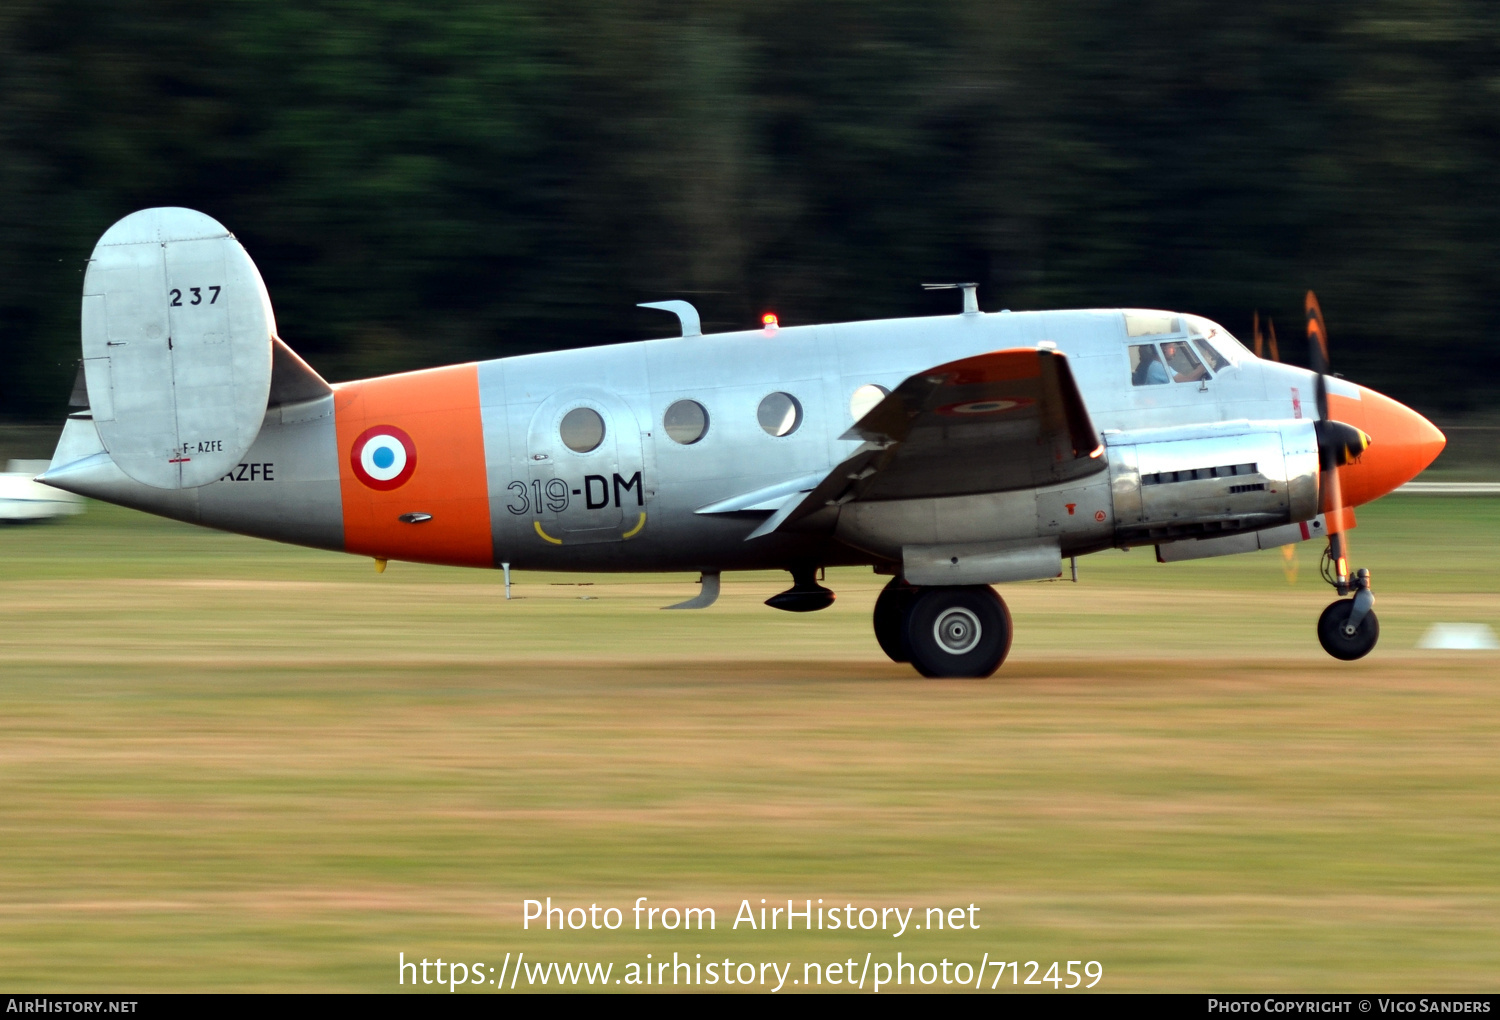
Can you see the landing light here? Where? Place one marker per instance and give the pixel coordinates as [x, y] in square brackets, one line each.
[769, 321]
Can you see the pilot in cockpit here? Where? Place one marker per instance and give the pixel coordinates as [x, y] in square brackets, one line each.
[1148, 370]
[1186, 367]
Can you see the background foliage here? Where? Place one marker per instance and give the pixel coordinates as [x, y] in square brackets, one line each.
[423, 183]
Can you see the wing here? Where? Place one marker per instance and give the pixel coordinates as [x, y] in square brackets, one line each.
[996, 422]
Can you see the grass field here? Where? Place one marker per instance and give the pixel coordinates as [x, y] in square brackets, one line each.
[228, 764]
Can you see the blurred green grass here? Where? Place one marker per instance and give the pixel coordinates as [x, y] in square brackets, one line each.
[231, 764]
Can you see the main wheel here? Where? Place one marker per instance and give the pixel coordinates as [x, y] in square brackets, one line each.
[1334, 635]
[890, 616]
[957, 631]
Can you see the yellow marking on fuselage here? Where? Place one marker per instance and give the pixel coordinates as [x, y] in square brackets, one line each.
[638, 526]
[545, 537]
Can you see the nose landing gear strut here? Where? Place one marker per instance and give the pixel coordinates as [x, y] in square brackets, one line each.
[1348, 628]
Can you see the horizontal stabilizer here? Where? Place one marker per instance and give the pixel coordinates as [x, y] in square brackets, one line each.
[177, 331]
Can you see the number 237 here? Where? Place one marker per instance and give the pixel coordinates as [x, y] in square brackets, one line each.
[197, 298]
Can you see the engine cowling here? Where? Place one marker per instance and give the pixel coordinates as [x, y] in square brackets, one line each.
[1199, 480]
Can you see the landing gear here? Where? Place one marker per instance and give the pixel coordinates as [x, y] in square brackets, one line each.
[1342, 636]
[1348, 628]
[944, 632]
[890, 615]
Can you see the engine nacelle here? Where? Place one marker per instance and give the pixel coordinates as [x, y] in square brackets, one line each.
[1201, 480]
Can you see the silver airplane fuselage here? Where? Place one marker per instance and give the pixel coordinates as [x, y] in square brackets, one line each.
[952, 452]
[289, 485]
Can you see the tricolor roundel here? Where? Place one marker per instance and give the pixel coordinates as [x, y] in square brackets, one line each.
[997, 406]
[383, 457]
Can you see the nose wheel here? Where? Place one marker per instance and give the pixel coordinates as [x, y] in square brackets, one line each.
[1348, 628]
[1345, 635]
[944, 632]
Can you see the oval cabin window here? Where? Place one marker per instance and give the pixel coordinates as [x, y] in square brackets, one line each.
[686, 422]
[865, 398]
[780, 414]
[582, 429]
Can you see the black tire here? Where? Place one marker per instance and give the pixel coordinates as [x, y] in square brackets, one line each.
[957, 632]
[890, 619]
[1347, 646]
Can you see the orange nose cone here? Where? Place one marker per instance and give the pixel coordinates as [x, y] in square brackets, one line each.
[1402, 444]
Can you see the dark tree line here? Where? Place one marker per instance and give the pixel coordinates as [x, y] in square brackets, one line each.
[428, 182]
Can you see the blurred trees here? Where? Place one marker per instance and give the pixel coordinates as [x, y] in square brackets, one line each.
[423, 183]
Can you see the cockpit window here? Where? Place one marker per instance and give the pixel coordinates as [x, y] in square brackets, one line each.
[1152, 324]
[1215, 360]
[1184, 364]
[1146, 368]
[1219, 338]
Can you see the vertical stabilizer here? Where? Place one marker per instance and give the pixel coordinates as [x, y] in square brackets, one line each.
[177, 345]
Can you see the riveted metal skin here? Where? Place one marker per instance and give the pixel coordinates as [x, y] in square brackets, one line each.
[299, 503]
[476, 449]
[1195, 480]
[177, 330]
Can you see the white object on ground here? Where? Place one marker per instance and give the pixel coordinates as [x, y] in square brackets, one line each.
[22, 499]
[1467, 637]
[1450, 489]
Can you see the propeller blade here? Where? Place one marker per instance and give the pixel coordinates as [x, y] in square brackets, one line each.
[1289, 563]
[1259, 340]
[1317, 335]
[1317, 349]
[1338, 539]
[1275, 354]
[1337, 443]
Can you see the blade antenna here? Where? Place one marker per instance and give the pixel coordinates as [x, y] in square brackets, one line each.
[1260, 342]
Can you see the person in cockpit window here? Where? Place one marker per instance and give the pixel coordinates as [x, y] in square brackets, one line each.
[1186, 367]
[1149, 370]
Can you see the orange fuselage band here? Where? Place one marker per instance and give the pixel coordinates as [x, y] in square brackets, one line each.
[438, 410]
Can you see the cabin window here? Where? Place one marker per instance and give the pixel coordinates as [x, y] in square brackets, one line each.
[1182, 362]
[582, 430]
[686, 422]
[779, 414]
[1146, 368]
[865, 398]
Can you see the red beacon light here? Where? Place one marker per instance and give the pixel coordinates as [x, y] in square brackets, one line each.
[769, 322]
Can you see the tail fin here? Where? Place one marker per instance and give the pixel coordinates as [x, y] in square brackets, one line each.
[177, 347]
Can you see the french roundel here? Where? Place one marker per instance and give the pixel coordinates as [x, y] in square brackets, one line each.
[998, 406]
[383, 457]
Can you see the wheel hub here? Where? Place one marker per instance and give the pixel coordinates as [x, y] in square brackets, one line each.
[957, 630]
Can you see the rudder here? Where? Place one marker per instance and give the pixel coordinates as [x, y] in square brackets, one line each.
[177, 347]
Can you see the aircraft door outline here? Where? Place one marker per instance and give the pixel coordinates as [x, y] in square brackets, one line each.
[577, 497]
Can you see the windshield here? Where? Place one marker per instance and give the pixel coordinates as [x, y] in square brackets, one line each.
[1184, 366]
[1218, 337]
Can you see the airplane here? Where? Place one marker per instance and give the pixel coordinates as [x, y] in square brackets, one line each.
[23, 499]
[951, 453]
